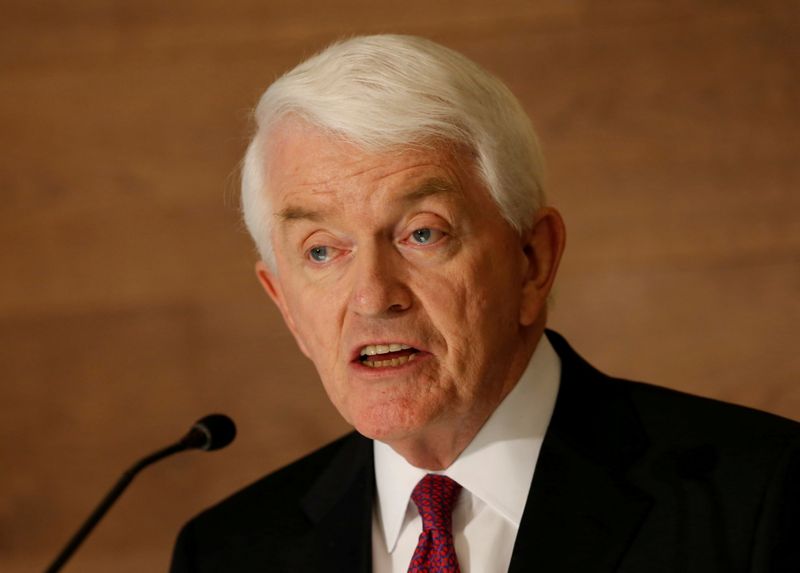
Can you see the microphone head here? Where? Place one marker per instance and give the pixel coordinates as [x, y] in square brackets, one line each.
[212, 432]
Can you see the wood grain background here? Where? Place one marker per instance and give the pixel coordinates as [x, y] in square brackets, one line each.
[128, 305]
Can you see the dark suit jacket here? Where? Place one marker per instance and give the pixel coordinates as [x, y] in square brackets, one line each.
[631, 478]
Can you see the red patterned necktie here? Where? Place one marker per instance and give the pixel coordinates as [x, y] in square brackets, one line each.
[435, 497]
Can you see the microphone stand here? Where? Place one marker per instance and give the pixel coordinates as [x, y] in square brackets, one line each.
[109, 500]
[212, 432]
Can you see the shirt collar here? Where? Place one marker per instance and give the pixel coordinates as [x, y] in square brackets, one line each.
[497, 466]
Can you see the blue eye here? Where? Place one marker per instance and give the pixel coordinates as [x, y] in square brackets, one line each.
[318, 254]
[422, 236]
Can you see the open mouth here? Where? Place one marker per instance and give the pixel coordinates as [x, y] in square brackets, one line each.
[386, 355]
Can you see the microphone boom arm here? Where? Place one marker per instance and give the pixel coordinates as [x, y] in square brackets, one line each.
[212, 432]
[106, 503]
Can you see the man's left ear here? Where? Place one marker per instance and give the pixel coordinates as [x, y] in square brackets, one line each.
[542, 246]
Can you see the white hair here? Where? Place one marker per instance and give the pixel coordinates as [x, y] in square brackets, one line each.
[385, 92]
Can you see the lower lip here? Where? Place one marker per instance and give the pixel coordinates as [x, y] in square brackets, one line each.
[384, 371]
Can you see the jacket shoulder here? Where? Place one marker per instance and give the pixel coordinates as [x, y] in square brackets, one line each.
[261, 516]
[713, 420]
[663, 413]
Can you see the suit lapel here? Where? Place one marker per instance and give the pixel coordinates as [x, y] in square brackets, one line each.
[582, 513]
[339, 506]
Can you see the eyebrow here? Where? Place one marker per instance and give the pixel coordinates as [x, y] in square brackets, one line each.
[295, 213]
[428, 188]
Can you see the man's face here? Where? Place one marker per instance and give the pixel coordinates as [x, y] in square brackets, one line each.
[399, 279]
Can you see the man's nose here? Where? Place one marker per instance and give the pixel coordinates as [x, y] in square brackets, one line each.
[379, 285]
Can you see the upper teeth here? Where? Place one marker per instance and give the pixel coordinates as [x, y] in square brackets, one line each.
[374, 349]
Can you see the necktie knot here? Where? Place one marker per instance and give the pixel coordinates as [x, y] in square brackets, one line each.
[435, 495]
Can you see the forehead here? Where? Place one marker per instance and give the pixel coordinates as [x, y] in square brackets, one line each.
[306, 164]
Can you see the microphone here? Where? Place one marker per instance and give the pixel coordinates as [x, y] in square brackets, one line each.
[213, 432]
[210, 433]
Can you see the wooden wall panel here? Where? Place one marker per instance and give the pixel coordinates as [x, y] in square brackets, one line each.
[128, 306]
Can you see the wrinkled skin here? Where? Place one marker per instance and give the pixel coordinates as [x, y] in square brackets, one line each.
[405, 247]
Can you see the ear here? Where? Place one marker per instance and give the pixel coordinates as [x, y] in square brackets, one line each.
[542, 246]
[272, 285]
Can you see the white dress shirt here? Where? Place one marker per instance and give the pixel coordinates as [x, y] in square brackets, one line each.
[495, 471]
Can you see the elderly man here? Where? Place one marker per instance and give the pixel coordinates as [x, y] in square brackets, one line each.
[394, 191]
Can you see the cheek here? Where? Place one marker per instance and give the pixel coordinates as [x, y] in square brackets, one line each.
[484, 311]
[319, 336]
[314, 317]
[455, 307]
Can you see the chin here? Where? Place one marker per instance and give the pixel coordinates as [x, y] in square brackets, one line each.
[389, 425]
